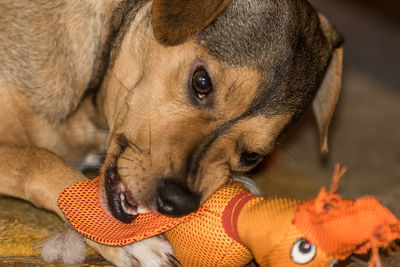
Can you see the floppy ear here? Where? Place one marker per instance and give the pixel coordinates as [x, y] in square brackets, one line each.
[175, 21]
[326, 98]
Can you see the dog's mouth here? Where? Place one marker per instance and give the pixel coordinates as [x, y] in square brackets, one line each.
[121, 204]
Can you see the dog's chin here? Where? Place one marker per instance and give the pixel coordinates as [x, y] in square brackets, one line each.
[121, 204]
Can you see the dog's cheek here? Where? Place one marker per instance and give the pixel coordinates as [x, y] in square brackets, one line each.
[215, 169]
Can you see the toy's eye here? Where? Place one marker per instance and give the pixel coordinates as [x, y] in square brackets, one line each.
[303, 251]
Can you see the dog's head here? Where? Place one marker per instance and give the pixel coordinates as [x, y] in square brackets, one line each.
[202, 89]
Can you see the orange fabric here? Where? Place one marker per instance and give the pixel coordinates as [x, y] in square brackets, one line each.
[233, 222]
[363, 219]
[341, 227]
[81, 206]
[200, 242]
[203, 241]
[231, 214]
[265, 227]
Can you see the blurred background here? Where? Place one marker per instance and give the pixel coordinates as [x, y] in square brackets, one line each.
[365, 132]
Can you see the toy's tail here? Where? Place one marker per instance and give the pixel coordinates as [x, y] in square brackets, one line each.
[341, 227]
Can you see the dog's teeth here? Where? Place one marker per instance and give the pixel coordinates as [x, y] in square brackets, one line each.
[126, 209]
[122, 187]
[141, 210]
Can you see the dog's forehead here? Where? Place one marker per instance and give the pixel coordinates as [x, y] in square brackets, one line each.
[282, 40]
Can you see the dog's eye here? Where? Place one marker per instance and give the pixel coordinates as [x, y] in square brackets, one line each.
[250, 158]
[201, 83]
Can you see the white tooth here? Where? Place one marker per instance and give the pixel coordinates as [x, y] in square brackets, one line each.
[121, 187]
[141, 210]
[126, 209]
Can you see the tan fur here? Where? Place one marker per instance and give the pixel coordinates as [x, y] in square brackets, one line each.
[215, 169]
[163, 113]
[68, 59]
[143, 96]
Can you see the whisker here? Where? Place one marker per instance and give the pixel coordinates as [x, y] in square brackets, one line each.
[122, 168]
[133, 149]
[123, 174]
[151, 162]
[138, 159]
[128, 159]
[171, 163]
[133, 159]
[132, 145]
[120, 82]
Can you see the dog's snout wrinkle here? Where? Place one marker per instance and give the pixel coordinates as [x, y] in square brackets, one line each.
[175, 199]
[198, 155]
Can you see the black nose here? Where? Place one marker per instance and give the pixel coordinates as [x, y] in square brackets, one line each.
[175, 199]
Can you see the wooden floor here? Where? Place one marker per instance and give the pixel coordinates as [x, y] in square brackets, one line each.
[37, 261]
[97, 261]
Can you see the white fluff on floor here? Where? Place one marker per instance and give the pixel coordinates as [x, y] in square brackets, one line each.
[68, 246]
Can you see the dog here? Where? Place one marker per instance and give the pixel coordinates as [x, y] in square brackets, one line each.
[179, 95]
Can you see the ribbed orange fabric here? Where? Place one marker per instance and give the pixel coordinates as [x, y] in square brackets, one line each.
[203, 241]
[81, 206]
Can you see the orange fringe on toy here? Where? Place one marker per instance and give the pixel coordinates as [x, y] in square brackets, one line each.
[368, 224]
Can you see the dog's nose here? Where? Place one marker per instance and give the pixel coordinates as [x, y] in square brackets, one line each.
[175, 199]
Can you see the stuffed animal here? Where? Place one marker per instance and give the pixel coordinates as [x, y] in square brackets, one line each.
[234, 226]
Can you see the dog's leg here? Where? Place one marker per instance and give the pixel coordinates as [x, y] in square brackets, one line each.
[39, 176]
[35, 175]
[154, 251]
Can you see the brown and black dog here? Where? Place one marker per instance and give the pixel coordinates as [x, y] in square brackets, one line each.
[179, 93]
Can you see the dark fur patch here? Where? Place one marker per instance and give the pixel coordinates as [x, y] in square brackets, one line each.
[175, 21]
[282, 40]
[123, 143]
[194, 160]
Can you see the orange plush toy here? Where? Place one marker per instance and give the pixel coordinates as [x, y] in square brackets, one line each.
[234, 226]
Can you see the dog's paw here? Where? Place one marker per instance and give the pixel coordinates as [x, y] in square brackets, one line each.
[155, 251]
[151, 252]
[69, 247]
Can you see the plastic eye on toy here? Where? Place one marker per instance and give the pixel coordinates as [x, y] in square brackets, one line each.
[303, 251]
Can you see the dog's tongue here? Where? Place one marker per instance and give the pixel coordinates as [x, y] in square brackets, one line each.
[81, 205]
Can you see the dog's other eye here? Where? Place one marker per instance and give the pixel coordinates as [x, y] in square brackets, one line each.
[250, 158]
[201, 83]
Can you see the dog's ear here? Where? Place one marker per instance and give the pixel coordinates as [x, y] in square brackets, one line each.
[327, 96]
[175, 21]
